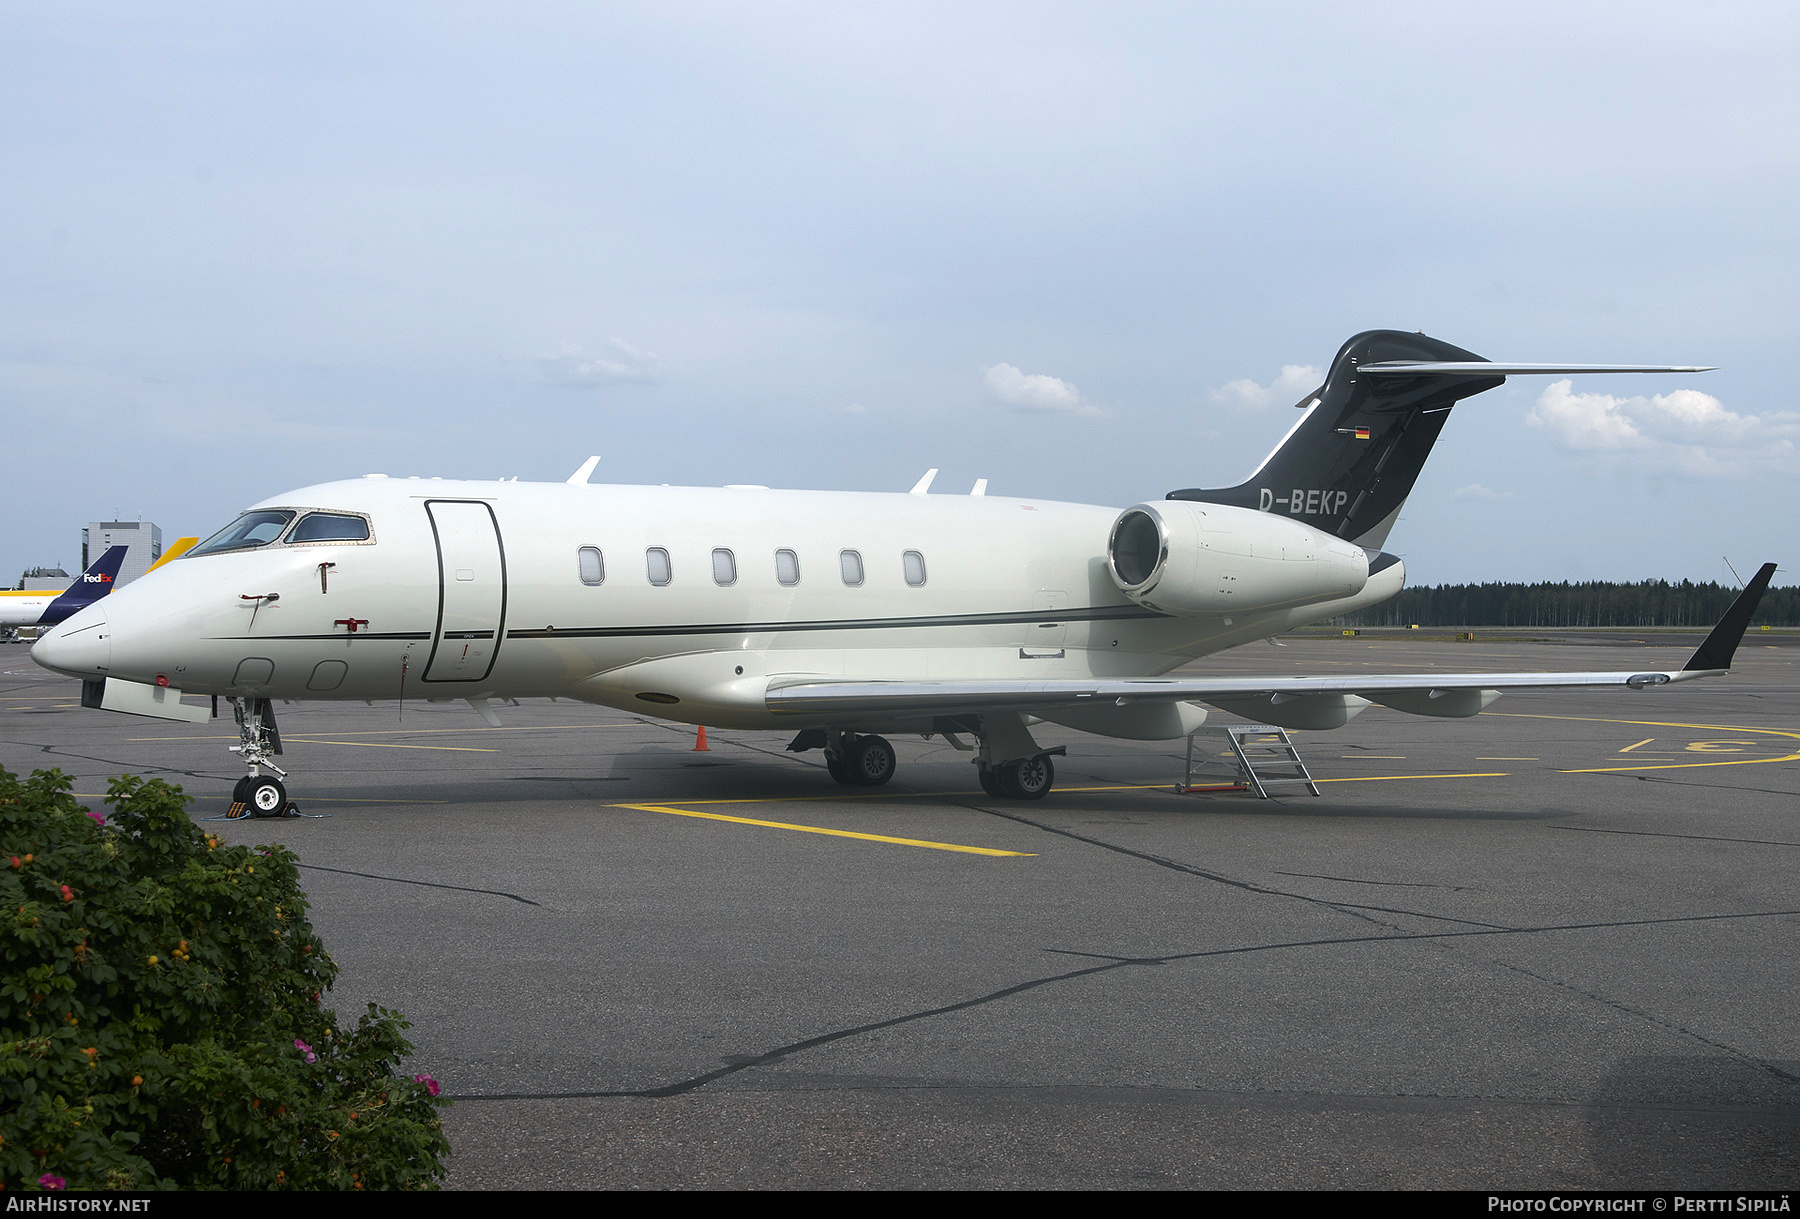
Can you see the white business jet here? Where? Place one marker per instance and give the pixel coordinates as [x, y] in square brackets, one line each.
[840, 615]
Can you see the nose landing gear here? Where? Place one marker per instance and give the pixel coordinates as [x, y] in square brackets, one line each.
[259, 743]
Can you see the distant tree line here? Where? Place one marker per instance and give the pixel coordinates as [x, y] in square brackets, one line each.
[1597, 603]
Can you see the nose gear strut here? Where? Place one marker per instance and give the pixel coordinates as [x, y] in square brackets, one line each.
[259, 743]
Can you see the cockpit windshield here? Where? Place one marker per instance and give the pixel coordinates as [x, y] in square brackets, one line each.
[330, 527]
[249, 531]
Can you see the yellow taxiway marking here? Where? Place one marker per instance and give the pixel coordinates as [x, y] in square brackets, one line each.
[1496, 774]
[815, 829]
[1639, 745]
[1596, 719]
[391, 745]
[298, 736]
[1373, 757]
[1506, 759]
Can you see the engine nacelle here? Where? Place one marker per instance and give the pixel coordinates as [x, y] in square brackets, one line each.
[1186, 557]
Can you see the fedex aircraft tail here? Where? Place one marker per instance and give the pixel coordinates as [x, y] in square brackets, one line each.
[89, 587]
[1348, 465]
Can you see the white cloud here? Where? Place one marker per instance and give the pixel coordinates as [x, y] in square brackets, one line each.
[568, 364]
[1285, 390]
[1477, 491]
[1037, 392]
[1687, 427]
[856, 408]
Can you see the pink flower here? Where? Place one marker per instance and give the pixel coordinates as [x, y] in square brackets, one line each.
[306, 1050]
[99, 818]
[47, 1181]
[431, 1085]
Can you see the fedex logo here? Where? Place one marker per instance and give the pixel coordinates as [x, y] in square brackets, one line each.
[100, 578]
[1303, 501]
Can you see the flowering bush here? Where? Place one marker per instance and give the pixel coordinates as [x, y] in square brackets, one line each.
[161, 1015]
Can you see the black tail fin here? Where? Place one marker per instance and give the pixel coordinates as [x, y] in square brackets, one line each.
[1350, 463]
[89, 587]
[1722, 643]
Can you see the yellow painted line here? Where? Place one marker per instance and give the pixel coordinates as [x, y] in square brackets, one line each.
[1641, 743]
[1372, 757]
[1599, 770]
[1596, 770]
[1507, 759]
[814, 829]
[393, 745]
[1498, 774]
[294, 736]
[906, 795]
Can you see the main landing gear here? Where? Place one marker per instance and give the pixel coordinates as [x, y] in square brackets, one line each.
[259, 743]
[1026, 779]
[866, 761]
[1008, 763]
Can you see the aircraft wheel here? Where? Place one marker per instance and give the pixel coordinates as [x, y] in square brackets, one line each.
[265, 796]
[837, 769]
[871, 761]
[237, 792]
[1030, 779]
[990, 783]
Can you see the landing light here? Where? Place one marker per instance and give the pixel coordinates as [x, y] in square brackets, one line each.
[162, 679]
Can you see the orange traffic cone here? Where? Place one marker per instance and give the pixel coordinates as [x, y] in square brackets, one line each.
[700, 741]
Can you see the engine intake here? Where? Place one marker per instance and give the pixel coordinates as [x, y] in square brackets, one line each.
[1185, 557]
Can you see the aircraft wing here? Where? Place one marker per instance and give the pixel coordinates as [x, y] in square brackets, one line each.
[812, 697]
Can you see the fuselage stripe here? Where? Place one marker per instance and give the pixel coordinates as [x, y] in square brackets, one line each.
[844, 624]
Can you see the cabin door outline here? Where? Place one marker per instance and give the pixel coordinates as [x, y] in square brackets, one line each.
[472, 590]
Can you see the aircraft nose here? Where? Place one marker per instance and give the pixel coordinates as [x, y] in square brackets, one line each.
[80, 646]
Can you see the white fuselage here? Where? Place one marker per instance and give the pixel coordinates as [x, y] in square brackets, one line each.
[477, 590]
[26, 608]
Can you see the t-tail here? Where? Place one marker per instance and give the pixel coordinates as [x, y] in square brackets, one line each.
[1348, 465]
[89, 587]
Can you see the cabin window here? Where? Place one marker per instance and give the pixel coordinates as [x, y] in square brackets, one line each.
[330, 527]
[851, 562]
[914, 562]
[787, 568]
[724, 568]
[250, 530]
[657, 560]
[592, 564]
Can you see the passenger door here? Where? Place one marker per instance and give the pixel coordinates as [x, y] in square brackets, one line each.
[471, 591]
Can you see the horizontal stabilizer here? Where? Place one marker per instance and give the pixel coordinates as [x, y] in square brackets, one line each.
[1495, 368]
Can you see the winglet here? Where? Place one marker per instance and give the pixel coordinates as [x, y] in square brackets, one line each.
[581, 476]
[923, 486]
[1716, 652]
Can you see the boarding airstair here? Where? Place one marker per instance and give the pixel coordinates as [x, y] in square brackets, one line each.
[1263, 755]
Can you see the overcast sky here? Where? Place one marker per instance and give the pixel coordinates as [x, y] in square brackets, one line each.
[1088, 252]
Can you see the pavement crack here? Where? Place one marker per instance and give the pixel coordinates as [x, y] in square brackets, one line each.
[428, 884]
[1591, 829]
[1731, 787]
[1666, 1025]
[1398, 884]
[1352, 909]
[733, 1064]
